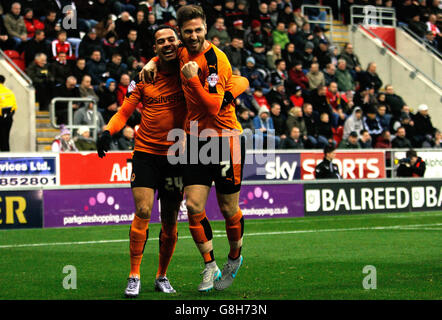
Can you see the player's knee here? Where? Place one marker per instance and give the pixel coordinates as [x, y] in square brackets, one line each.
[193, 207]
[228, 209]
[143, 211]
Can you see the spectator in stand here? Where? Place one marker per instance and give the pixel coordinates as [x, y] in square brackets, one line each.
[96, 68]
[102, 9]
[84, 141]
[323, 54]
[31, 24]
[280, 74]
[411, 166]
[417, 26]
[219, 29]
[51, 27]
[337, 105]
[372, 124]
[293, 141]
[85, 116]
[106, 26]
[6, 42]
[280, 35]
[86, 88]
[343, 77]
[123, 85]
[300, 20]
[254, 34]
[262, 15]
[260, 57]
[384, 117]
[325, 132]
[314, 13]
[60, 68]
[370, 78]
[295, 37]
[383, 141]
[393, 100]
[365, 98]
[430, 39]
[351, 142]
[432, 25]
[36, 45]
[330, 74]
[79, 69]
[164, 11]
[290, 55]
[42, 80]
[311, 125]
[351, 60]
[435, 143]
[315, 77]
[15, 25]
[236, 53]
[407, 122]
[134, 67]
[295, 119]
[353, 123]
[297, 76]
[279, 95]
[108, 99]
[256, 78]
[130, 47]
[267, 30]
[319, 101]
[90, 43]
[248, 101]
[64, 142]
[245, 120]
[110, 46]
[115, 67]
[400, 141]
[67, 90]
[273, 55]
[265, 129]
[365, 140]
[238, 29]
[423, 125]
[286, 15]
[296, 98]
[124, 24]
[61, 45]
[279, 120]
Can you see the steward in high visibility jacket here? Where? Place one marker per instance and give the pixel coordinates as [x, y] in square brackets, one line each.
[8, 106]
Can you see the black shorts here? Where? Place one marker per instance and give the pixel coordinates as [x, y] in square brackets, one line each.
[206, 164]
[155, 172]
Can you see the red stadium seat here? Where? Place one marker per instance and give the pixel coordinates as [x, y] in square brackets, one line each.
[17, 58]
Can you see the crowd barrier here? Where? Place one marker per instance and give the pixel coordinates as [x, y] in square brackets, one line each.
[92, 205]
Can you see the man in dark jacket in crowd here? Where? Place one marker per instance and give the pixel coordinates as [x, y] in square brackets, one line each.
[370, 78]
[393, 100]
[42, 79]
[293, 141]
[96, 68]
[423, 125]
[401, 141]
[411, 165]
[327, 169]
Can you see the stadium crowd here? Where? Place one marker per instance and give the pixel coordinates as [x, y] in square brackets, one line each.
[305, 91]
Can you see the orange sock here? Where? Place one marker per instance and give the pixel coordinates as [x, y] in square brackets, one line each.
[168, 239]
[201, 231]
[235, 231]
[138, 235]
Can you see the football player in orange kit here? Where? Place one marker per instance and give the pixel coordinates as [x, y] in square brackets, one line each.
[164, 108]
[211, 118]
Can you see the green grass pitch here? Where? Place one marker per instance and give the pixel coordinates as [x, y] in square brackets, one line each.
[301, 258]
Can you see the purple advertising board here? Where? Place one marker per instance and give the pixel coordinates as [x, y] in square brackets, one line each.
[92, 207]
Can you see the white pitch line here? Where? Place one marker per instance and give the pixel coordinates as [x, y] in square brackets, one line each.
[397, 227]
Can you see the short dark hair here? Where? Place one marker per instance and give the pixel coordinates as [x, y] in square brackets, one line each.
[189, 12]
[411, 153]
[2, 79]
[329, 149]
[162, 27]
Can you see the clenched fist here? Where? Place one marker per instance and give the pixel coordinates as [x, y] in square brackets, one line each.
[190, 69]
